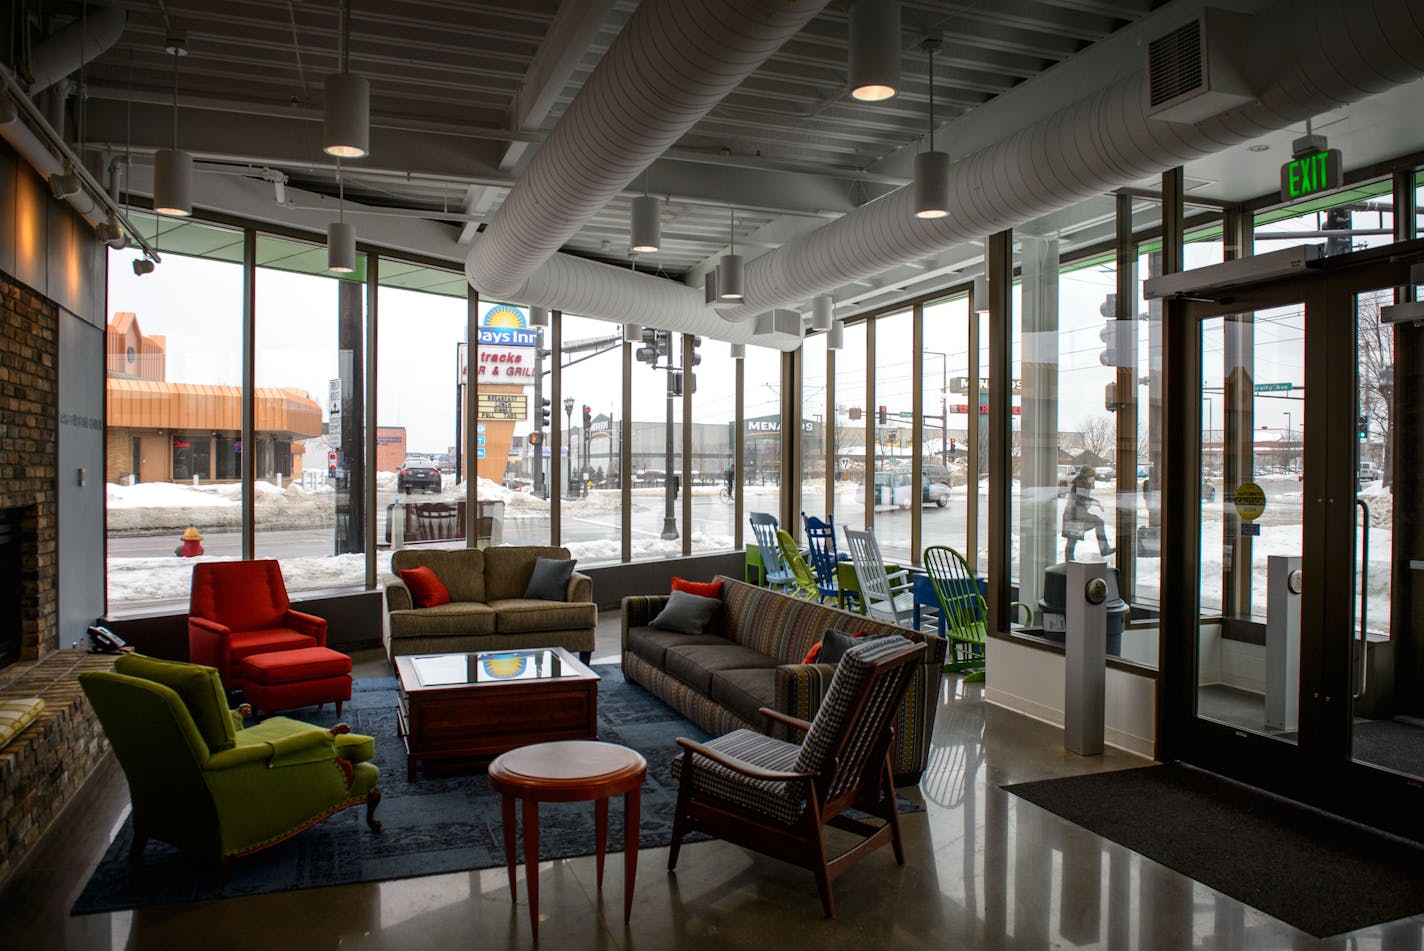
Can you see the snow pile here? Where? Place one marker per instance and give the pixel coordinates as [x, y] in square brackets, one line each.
[137, 580]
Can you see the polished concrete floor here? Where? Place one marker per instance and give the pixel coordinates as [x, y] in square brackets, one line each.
[983, 870]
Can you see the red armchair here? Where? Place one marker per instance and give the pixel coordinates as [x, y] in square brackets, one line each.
[239, 608]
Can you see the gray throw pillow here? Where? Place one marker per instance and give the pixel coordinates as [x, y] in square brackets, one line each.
[834, 645]
[550, 579]
[686, 613]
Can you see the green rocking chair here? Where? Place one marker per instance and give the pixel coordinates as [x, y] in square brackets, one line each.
[963, 607]
[803, 584]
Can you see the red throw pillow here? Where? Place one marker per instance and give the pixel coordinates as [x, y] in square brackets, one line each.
[426, 588]
[813, 653]
[705, 589]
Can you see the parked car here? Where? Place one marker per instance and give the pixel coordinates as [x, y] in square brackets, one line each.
[892, 487]
[421, 475]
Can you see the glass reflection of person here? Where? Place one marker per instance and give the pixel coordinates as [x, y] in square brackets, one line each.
[1078, 517]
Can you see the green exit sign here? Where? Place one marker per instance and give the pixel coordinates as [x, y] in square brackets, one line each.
[1311, 174]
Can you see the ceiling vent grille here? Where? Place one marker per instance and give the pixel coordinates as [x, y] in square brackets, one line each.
[1174, 65]
[1191, 70]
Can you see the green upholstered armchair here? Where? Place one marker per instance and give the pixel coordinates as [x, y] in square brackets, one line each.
[201, 782]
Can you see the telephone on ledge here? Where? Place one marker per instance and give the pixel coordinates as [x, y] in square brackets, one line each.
[104, 641]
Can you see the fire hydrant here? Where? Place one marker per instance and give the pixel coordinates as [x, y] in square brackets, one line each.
[192, 544]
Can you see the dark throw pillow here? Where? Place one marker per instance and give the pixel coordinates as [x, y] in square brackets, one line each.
[686, 613]
[426, 588]
[550, 579]
[707, 589]
[835, 644]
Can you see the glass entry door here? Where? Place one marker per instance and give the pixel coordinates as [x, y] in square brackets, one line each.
[1302, 667]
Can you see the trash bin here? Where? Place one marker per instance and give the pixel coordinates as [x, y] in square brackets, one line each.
[1053, 606]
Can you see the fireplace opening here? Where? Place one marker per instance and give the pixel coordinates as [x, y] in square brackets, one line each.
[12, 612]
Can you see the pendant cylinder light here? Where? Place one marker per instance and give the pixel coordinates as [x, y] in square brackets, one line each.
[647, 225]
[835, 338]
[729, 272]
[931, 167]
[739, 351]
[172, 168]
[538, 316]
[822, 312]
[981, 294]
[173, 182]
[347, 132]
[341, 247]
[874, 49]
[632, 333]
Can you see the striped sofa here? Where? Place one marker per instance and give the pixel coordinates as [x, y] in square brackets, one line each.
[750, 657]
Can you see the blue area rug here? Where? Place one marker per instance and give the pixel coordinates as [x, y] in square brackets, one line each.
[443, 822]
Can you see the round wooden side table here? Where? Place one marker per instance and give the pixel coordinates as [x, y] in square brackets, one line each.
[569, 771]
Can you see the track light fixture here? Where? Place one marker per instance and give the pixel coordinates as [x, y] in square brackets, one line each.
[729, 272]
[65, 183]
[835, 338]
[874, 49]
[538, 316]
[172, 168]
[112, 233]
[822, 312]
[931, 167]
[347, 130]
[142, 266]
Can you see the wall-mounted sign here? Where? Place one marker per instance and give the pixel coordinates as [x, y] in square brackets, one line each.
[1311, 174]
[506, 407]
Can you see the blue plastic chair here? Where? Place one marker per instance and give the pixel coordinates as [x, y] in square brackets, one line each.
[778, 576]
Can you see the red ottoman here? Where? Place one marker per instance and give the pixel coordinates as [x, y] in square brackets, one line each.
[283, 680]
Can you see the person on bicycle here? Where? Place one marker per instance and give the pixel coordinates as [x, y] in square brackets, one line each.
[729, 476]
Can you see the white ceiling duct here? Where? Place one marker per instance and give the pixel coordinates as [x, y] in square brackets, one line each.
[1106, 141]
[80, 42]
[1102, 142]
[671, 64]
[592, 289]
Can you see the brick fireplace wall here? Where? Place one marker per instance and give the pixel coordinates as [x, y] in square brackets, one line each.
[29, 451]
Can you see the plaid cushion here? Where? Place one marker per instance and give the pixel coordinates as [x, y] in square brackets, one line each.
[781, 801]
[850, 677]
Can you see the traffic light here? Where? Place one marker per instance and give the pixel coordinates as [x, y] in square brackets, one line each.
[883, 416]
[587, 419]
[536, 438]
[1364, 427]
[696, 357]
[1119, 342]
[675, 382]
[543, 421]
[655, 345]
[953, 446]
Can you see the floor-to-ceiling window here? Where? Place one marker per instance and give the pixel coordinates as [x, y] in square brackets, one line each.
[309, 435]
[761, 441]
[852, 407]
[591, 522]
[173, 446]
[714, 415]
[814, 426]
[895, 495]
[419, 413]
[947, 405]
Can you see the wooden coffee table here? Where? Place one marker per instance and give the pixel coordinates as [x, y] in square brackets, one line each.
[569, 772]
[463, 707]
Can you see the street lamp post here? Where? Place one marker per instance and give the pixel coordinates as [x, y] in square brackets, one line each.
[569, 440]
[1290, 460]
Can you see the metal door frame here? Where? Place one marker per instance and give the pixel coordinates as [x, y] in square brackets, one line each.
[1317, 769]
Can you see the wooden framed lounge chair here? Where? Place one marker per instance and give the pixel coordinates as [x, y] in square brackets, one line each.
[777, 797]
[887, 596]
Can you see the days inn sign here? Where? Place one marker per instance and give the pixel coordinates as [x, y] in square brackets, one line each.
[1311, 174]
